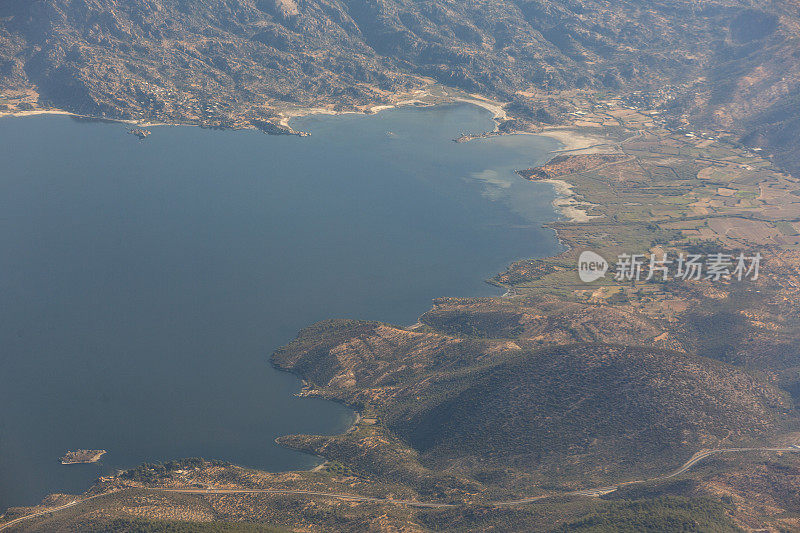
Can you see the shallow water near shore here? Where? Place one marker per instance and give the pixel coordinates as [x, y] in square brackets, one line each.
[144, 284]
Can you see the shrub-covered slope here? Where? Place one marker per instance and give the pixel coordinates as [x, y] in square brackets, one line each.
[473, 405]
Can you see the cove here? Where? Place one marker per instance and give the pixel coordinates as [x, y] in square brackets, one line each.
[144, 284]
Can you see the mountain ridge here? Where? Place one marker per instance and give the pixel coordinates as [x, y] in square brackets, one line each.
[720, 64]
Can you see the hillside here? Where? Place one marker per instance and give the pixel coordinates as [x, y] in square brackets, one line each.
[476, 407]
[594, 404]
[718, 64]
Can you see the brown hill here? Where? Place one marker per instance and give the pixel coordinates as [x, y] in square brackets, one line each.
[473, 406]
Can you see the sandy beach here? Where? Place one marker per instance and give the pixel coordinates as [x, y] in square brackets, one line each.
[565, 202]
[34, 112]
[577, 142]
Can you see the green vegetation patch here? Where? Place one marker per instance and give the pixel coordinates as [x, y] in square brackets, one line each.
[138, 525]
[661, 515]
[152, 472]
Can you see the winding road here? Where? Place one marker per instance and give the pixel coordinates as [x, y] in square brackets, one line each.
[49, 510]
[593, 492]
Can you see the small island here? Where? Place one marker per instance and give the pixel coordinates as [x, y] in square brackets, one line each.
[82, 457]
[141, 133]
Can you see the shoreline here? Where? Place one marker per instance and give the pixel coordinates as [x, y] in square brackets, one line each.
[432, 95]
[573, 141]
[495, 108]
[91, 118]
[34, 112]
[565, 202]
[566, 136]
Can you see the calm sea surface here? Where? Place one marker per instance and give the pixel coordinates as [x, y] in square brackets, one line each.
[144, 284]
